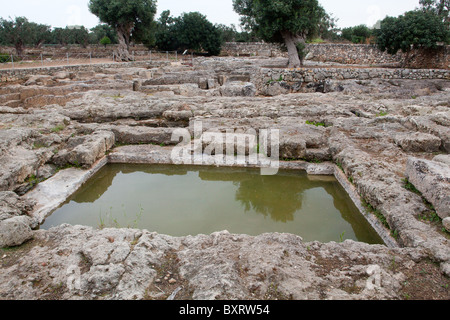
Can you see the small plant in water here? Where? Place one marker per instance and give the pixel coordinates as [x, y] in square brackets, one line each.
[112, 222]
[341, 236]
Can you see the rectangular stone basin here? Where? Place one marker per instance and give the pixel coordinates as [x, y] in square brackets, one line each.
[192, 200]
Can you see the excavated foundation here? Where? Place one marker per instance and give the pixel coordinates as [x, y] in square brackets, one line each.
[384, 134]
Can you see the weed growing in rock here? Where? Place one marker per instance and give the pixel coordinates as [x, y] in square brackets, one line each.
[58, 129]
[409, 186]
[38, 145]
[339, 164]
[430, 215]
[32, 180]
[315, 123]
[382, 114]
[376, 212]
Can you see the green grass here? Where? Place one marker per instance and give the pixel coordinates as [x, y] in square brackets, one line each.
[382, 114]
[376, 212]
[339, 164]
[410, 187]
[38, 145]
[394, 234]
[280, 79]
[75, 165]
[429, 215]
[32, 180]
[58, 129]
[316, 40]
[313, 160]
[315, 123]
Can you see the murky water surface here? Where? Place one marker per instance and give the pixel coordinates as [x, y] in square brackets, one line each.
[183, 200]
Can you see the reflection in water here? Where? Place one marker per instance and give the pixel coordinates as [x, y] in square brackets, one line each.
[183, 200]
[279, 197]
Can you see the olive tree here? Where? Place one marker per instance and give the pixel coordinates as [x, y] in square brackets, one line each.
[439, 7]
[125, 16]
[20, 32]
[290, 22]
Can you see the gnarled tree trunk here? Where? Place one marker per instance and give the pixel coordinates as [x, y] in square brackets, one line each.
[19, 48]
[291, 41]
[123, 35]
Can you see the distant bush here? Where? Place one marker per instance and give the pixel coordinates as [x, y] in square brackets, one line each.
[357, 34]
[190, 31]
[316, 40]
[105, 41]
[414, 29]
[4, 57]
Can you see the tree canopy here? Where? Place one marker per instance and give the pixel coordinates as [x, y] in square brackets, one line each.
[70, 35]
[414, 29]
[231, 34]
[190, 31]
[100, 31]
[283, 21]
[126, 17]
[357, 34]
[20, 32]
[440, 8]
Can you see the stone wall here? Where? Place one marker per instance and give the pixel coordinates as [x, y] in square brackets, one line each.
[364, 54]
[242, 49]
[355, 54]
[58, 50]
[10, 75]
[295, 78]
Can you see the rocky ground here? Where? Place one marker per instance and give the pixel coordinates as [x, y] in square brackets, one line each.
[390, 137]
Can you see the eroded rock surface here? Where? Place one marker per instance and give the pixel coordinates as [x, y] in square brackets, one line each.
[83, 263]
[432, 179]
[367, 122]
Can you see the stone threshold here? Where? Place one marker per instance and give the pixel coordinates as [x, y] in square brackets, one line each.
[49, 195]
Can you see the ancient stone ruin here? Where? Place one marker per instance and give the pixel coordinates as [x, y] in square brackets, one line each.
[384, 133]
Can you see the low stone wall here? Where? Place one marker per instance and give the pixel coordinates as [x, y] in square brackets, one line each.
[311, 75]
[351, 54]
[10, 75]
[364, 54]
[242, 49]
[355, 54]
[58, 50]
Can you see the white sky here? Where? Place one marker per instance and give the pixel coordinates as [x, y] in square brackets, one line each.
[60, 13]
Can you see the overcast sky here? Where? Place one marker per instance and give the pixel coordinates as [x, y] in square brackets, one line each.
[60, 13]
